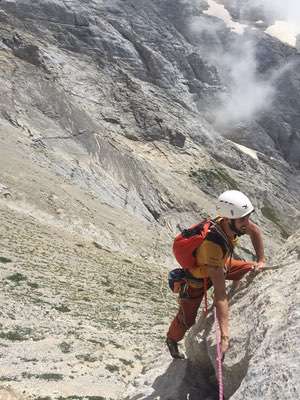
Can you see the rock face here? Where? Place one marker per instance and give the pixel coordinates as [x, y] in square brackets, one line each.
[119, 120]
[264, 329]
[177, 52]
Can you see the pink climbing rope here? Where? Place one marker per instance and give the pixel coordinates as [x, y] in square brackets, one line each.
[219, 357]
[205, 297]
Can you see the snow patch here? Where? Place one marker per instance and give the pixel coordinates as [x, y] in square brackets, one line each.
[285, 31]
[252, 153]
[219, 11]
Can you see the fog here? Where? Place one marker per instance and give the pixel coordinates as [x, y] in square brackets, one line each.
[286, 14]
[248, 92]
[287, 10]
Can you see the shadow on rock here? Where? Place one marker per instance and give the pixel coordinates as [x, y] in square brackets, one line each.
[182, 380]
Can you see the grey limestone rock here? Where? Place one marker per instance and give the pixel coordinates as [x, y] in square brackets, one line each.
[263, 360]
[110, 137]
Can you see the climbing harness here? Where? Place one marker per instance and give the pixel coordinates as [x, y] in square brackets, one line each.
[219, 357]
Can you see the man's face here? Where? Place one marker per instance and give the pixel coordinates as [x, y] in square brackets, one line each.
[241, 224]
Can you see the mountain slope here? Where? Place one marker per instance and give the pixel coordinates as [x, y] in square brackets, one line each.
[111, 117]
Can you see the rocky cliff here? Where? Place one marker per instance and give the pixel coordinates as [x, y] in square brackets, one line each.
[119, 120]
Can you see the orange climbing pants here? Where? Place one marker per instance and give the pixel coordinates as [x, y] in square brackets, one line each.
[189, 305]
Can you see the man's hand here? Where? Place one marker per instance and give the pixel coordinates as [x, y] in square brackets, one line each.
[224, 344]
[259, 266]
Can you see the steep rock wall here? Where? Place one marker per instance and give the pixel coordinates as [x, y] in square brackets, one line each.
[263, 360]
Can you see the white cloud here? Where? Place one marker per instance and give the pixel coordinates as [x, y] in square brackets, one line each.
[247, 94]
[287, 19]
[286, 10]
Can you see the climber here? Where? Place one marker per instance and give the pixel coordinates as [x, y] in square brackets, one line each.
[214, 264]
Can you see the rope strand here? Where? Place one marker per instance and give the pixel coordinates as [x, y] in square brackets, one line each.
[205, 297]
[219, 357]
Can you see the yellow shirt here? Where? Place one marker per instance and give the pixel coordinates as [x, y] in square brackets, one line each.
[210, 254]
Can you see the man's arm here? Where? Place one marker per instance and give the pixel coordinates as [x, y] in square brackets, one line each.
[257, 242]
[216, 274]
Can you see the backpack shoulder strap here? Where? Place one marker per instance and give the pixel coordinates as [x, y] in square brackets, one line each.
[216, 235]
[195, 229]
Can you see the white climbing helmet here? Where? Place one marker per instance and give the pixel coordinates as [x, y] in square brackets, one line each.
[234, 204]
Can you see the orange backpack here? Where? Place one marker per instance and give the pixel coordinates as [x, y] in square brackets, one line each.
[187, 242]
